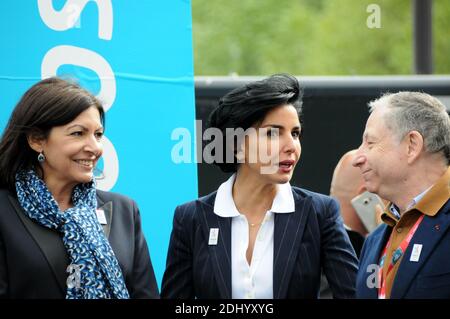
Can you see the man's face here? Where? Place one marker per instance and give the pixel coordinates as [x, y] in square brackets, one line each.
[381, 157]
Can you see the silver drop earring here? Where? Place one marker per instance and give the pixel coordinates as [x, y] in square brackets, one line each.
[41, 157]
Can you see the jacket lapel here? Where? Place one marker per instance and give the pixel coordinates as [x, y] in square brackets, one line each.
[51, 245]
[373, 258]
[288, 233]
[108, 210]
[428, 236]
[220, 254]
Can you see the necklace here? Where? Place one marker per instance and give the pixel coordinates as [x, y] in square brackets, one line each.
[255, 224]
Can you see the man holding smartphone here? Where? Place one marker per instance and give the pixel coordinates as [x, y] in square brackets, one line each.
[404, 157]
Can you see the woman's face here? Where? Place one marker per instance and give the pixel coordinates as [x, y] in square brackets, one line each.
[273, 149]
[72, 150]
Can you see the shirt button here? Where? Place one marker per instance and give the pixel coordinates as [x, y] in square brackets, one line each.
[399, 230]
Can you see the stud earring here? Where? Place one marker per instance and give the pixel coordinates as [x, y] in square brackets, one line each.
[41, 157]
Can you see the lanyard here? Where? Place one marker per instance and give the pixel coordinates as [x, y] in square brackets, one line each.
[395, 257]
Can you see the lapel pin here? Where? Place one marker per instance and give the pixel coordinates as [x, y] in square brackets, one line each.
[437, 227]
[101, 216]
[415, 254]
[213, 236]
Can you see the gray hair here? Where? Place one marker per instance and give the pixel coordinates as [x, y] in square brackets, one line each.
[421, 112]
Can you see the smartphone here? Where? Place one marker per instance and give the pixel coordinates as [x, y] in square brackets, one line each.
[364, 205]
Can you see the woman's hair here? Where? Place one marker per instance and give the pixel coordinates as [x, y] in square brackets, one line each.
[49, 103]
[248, 105]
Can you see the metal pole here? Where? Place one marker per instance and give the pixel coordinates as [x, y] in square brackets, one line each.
[423, 36]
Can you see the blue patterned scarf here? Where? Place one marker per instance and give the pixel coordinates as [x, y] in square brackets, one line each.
[99, 273]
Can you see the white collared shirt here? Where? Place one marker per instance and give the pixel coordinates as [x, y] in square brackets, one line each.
[254, 281]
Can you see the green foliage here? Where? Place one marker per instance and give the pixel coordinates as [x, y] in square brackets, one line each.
[311, 37]
[441, 31]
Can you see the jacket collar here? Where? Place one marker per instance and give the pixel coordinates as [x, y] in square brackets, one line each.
[428, 202]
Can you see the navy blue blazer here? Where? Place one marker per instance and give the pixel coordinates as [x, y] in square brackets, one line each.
[33, 259]
[305, 241]
[427, 278]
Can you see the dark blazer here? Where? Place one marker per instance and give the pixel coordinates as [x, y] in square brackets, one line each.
[33, 259]
[306, 240]
[427, 278]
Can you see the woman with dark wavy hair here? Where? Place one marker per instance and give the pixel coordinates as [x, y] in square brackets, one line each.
[60, 237]
[257, 236]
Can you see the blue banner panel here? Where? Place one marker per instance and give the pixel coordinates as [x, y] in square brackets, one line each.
[136, 56]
